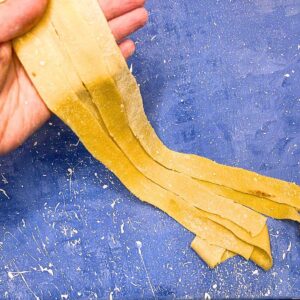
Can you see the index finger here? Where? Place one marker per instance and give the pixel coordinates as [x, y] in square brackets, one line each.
[19, 16]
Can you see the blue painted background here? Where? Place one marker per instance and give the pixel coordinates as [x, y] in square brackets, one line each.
[220, 79]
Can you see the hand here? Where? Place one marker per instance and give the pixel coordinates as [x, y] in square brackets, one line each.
[22, 111]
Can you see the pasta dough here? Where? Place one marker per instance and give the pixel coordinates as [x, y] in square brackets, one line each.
[95, 94]
[195, 166]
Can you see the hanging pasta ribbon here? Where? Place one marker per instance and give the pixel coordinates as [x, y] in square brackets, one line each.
[76, 66]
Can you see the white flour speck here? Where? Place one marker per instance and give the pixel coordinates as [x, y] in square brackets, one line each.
[46, 270]
[4, 192]
[12, 275]
[139, 245]
[4, 180]
[111, 295]
[274, 274]
[23, 223]
[114, 203]
[122, 227]
[268, 293]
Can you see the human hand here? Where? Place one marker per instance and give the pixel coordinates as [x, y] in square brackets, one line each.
[22, 111]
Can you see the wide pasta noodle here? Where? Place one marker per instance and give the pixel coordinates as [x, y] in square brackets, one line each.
[83, 79]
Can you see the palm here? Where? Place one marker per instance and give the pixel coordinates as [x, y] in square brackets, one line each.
[22, 110]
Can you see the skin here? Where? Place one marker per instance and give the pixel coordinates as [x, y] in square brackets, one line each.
[22, 111]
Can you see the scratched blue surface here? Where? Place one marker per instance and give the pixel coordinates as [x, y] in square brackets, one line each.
[220, 79]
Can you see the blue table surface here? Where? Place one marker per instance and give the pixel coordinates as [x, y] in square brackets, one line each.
[220, 79]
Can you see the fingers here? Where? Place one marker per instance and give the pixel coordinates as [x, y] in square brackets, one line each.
[125, 17]
[18, 16]
[128, 23]
[127, 48]
[115, 8]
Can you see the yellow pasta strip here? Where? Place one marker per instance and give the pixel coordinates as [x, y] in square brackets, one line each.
[89, 65]
[212, 255]
[262, 205]
[192, 165]
[61, 96]
[113, 108]
[66, 95]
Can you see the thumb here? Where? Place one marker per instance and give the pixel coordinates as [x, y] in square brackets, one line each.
[19, 16]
